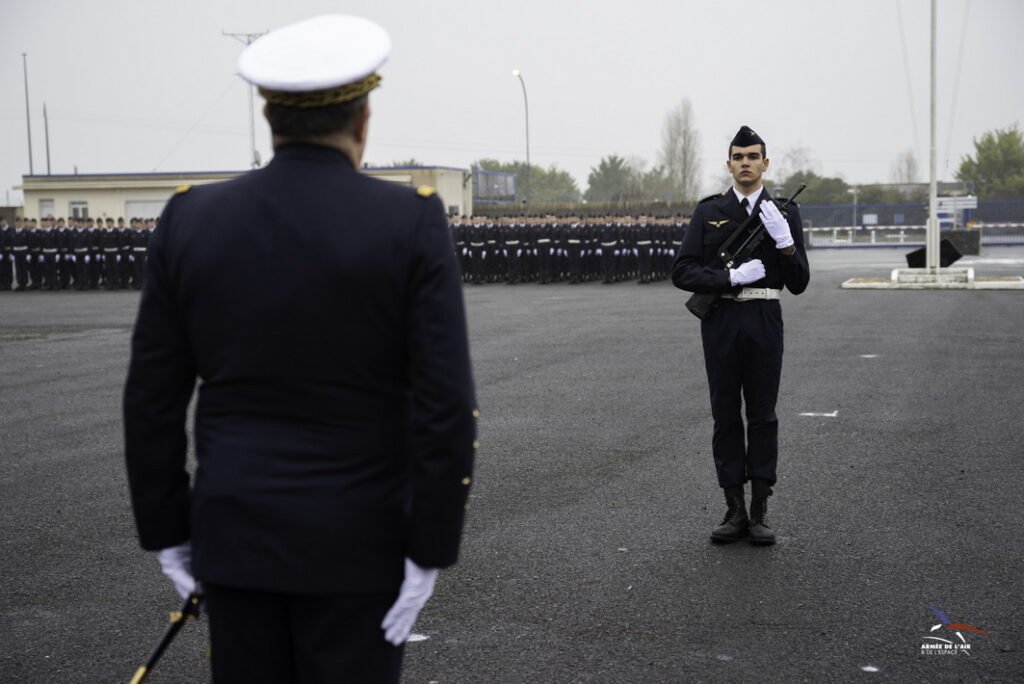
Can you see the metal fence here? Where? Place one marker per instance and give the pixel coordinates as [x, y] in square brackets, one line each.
[1009, 234]
[910, 215]
[898, 225]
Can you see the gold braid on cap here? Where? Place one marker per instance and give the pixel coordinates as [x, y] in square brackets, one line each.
[322, 98]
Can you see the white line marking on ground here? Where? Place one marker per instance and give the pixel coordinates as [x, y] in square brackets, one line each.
[869, 668]
[869, 356]
[417, 637]
[822, 415]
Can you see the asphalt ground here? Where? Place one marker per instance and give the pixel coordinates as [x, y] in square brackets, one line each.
[586, 555]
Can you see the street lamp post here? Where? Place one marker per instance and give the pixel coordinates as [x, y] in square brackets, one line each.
[247, 39]
[526, 106]
[28, 117]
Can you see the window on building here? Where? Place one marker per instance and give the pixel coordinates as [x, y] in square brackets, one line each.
[79, 208]
[898, 219]
[45, 208]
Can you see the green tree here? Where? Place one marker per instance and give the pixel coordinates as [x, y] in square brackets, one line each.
[658, 184]
[554, 186]
[820, 190]
[612, 180]
[997, 169]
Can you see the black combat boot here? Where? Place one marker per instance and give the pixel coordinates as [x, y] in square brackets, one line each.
[734, 525]
[759, 531]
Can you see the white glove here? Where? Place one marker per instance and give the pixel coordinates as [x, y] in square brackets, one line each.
[748, 272]
[176, 562]
[776, 225]
[417, 587]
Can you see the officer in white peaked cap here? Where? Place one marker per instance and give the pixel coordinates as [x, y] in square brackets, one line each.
[321, 311]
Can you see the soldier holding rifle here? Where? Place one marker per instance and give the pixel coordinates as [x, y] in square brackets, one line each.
[742, 333]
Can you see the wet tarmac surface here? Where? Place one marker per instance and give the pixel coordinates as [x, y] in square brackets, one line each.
[586, 554]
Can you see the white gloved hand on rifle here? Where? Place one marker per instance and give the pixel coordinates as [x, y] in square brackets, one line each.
[417, 587]
[747, 272]
[176, 563]
[776, 225]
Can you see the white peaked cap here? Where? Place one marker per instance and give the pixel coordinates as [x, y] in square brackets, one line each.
[328, 52]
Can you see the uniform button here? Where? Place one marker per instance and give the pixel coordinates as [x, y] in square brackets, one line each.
[466, 481]
[476, 445]
[476, 413]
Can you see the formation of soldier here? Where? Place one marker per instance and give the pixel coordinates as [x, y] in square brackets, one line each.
[572, 249]
[89, 254]
[79, 254]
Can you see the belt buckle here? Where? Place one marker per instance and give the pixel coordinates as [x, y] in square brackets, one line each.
[741, 298]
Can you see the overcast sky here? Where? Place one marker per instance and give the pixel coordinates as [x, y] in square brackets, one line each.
[141, 86]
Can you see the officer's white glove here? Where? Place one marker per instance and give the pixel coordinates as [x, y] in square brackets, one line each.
[748, 272]
[417, 587]
[176, 562]
[776, 225]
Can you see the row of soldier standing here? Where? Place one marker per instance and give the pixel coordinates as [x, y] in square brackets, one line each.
[86, 253]
[567, 248]
[82, 254]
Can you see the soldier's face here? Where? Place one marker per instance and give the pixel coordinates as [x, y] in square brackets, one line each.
[747, 165]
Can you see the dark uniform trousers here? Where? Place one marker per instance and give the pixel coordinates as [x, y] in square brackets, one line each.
[6, 259]
[260, 637]
[743, 350]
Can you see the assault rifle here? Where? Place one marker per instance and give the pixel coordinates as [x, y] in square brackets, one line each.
[737, 248]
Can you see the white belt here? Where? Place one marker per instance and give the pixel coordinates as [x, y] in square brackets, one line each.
[543, 241]
[749, 293]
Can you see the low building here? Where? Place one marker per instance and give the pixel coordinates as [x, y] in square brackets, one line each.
[143, 195]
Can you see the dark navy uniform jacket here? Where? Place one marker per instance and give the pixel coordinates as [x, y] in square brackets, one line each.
[321, 312]
[698, 267]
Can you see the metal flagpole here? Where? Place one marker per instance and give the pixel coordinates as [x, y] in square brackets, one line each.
[932, 239]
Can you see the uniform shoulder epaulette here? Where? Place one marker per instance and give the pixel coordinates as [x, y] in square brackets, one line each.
[426, 191]
[711, 197]
[182, 188]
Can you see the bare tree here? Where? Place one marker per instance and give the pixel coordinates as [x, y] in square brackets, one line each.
[790, 160]
[680, 150]
[904, 168]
